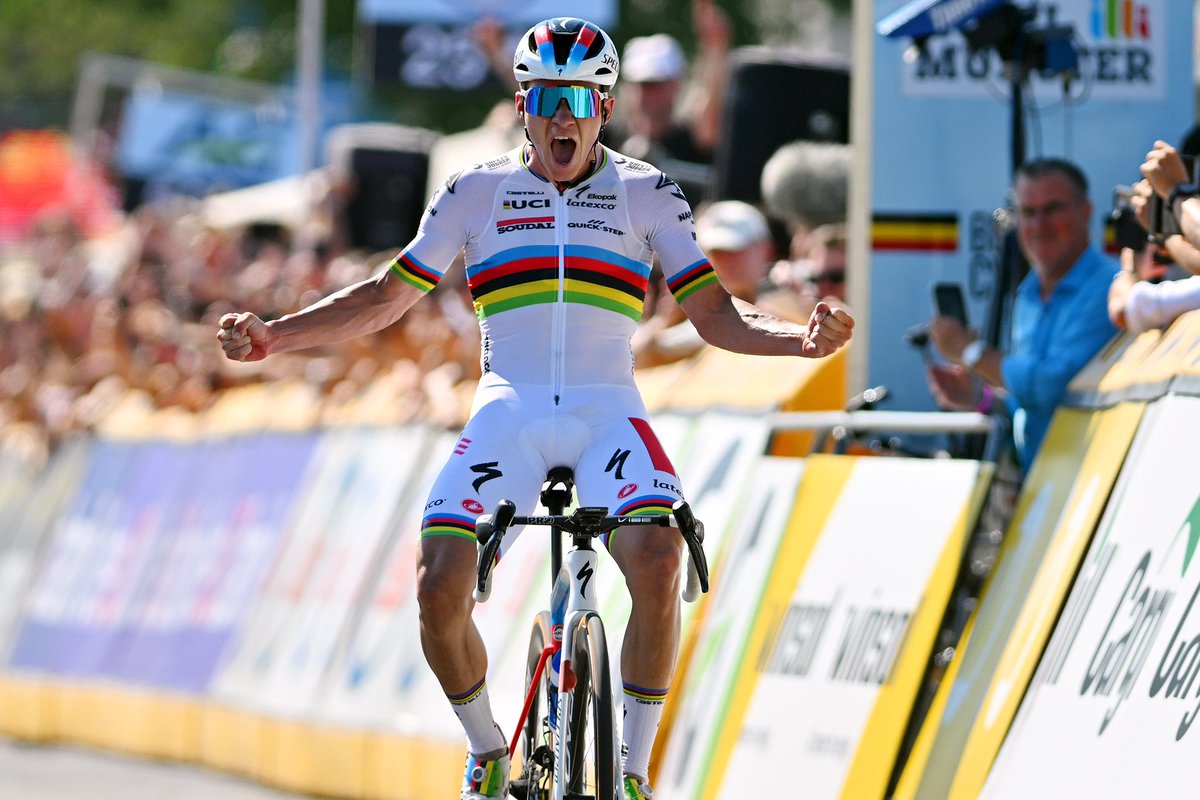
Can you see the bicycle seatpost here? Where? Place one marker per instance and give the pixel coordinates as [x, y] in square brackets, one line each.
[556, 496]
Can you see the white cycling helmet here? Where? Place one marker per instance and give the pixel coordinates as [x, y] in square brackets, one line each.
[566, 49]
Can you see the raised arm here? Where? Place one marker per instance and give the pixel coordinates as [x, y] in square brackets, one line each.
[361, 308]
[732, 324]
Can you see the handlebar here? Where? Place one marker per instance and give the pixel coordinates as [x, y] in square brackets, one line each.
[590, 522]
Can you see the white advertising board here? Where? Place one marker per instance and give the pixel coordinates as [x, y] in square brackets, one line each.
[380, 678]
[721, 646]
[847, 623]
[367, 486]
[1111, 708]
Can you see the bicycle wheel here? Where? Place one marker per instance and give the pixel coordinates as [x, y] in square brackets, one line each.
[537, 743]
[592, 746]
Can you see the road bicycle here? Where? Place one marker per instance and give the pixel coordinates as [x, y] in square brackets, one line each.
[567, 674]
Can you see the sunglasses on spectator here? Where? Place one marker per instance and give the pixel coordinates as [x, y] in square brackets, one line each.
[838, 277]
[543, 101]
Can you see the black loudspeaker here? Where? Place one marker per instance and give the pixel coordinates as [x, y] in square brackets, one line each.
[386, 168]
[775, 97]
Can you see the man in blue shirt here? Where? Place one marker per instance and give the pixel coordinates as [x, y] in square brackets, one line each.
[1060, 315]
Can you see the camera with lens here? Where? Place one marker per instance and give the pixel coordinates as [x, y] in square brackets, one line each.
[1127, 231]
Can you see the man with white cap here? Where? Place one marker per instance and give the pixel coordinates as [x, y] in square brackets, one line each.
[662, 123]
[735, 237]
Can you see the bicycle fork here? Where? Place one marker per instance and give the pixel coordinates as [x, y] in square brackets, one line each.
[579, 567]
[572, 600]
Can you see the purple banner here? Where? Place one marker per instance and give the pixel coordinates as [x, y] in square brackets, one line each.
[57, 634]
[160, 558]
[225, 538]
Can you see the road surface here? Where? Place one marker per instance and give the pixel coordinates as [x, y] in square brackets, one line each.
[73, 773]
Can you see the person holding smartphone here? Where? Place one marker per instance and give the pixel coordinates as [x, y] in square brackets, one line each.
[1059, 319]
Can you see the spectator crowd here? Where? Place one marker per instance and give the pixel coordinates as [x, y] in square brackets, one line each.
[89, 322]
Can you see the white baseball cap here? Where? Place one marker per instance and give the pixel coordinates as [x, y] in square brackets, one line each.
[730, 225]
[652, 58]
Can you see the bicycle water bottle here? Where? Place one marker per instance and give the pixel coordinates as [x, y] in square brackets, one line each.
[558, 611]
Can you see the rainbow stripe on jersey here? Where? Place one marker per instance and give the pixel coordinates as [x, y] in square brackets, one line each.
[691, 279]
[414, 272]
[448, 525]
[527, 276]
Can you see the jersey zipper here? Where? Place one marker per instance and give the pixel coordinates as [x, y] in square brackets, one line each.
[558, 347]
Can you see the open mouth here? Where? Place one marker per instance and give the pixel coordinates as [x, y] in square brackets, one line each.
[562, 149]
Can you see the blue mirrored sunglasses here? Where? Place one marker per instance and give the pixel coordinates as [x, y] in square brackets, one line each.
[543, 101]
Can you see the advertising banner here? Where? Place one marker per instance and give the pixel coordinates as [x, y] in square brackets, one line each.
[25, 526]
[1110, 712]
[349, 496]
[942, 144]
[193, 143]
[55, 628]
[865, 598]
[733, 606]
[377, 677]
[224, 537]
[1061, 500]
[431, 44]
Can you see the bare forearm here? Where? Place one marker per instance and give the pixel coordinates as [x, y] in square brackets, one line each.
[1184, 250]
[744, 328]
[357, 310]
[1184, 253]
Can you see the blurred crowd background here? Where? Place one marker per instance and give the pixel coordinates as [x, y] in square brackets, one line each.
[111, 283]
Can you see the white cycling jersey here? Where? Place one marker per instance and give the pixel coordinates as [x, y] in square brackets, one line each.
[558, 279]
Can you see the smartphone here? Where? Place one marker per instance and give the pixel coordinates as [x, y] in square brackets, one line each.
[949, 302]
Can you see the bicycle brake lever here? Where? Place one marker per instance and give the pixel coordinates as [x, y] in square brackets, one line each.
[489, 537]
[692, 531]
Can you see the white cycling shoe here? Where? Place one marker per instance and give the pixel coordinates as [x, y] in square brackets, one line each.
[484, 779]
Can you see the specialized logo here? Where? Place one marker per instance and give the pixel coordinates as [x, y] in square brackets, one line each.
[497, 162]
[584, 575]
[512, 205]
[617, 462]
[472, 505]
[486, 471]
[461, 447]
[627, 490]
[525, 224]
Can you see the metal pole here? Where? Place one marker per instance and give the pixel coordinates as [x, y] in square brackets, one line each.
[310, 52]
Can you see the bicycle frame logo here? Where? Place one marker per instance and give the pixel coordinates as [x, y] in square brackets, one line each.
[584, 576]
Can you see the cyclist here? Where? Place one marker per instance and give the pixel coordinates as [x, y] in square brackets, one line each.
[559, 234]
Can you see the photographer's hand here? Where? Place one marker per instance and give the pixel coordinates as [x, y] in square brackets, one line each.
[1164, 169]
[1140, 201]
[949, 337]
